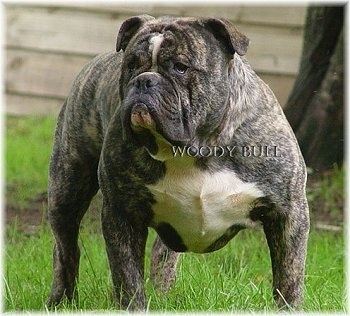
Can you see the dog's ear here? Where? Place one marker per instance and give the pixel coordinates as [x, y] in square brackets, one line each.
[227, 34]
[129, 28]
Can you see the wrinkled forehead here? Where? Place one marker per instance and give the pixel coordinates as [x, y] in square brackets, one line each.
[171, 34]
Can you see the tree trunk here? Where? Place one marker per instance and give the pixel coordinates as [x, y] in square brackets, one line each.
[315, 105]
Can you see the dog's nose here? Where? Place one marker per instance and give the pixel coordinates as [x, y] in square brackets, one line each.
[145, 81]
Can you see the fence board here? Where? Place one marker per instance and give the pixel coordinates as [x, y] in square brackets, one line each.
[61, 31]
[280, 85]
[51, 75]
[41, 74]
[272, 50]
[283, 16]
[47, 45]
[28, 104]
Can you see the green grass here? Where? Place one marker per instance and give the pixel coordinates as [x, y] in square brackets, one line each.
[28, 145]
[236, 278]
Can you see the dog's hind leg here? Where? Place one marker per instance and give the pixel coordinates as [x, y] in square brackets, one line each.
[163, 265]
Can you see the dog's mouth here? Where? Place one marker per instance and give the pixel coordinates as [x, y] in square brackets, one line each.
[149, 125]
[148, 131]
[141, 118]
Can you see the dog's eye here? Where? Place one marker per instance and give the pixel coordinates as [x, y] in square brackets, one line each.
[131, 65]
[180, 68]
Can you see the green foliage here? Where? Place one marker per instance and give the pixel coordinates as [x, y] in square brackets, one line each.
[326, 195]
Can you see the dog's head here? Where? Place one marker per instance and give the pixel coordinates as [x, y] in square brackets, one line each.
[174, 84]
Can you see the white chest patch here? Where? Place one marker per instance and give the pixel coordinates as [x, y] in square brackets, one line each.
[202, 206]
[154, 49]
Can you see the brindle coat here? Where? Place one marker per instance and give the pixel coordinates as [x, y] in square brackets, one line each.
[176, 82]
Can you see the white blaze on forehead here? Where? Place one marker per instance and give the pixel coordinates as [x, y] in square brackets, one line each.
[154, 48]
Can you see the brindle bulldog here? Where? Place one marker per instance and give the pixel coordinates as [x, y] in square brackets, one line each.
[175, 83]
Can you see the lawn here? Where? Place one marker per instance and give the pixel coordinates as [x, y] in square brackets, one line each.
[236, 278]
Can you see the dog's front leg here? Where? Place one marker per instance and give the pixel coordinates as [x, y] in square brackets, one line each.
[125, 244]
[287, 236]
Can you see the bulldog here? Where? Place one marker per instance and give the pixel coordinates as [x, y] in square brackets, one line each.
[175, 83]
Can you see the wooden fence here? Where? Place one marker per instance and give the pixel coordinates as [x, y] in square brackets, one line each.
[47, 45]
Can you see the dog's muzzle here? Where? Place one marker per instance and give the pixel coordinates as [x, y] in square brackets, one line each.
[143, 86]
[141, 118]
